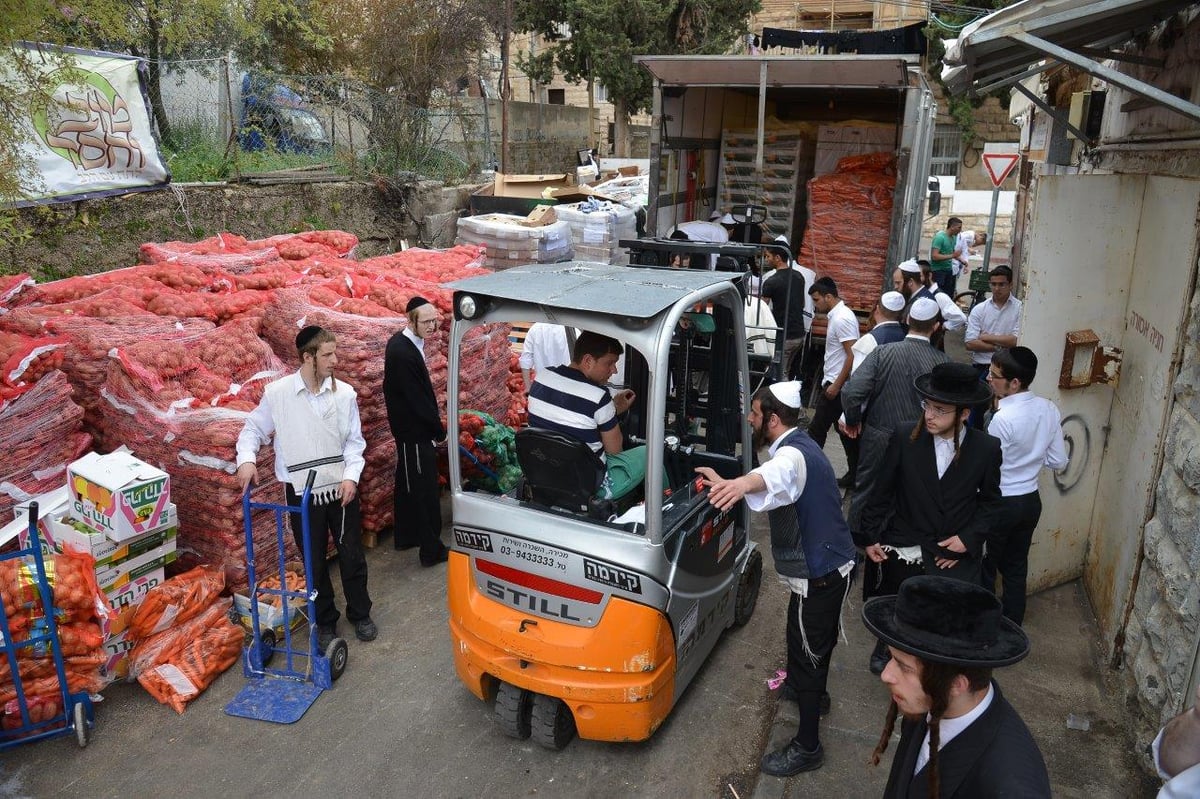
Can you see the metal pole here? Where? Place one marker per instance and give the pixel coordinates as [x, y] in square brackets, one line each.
[987, 250]
[506, 56]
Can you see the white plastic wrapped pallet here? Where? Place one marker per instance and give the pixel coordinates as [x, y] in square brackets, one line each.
[510, 243]
[597, 228]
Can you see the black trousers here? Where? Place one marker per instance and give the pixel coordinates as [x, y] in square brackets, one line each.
[416, 500]
[345, 525]
[1008, 551]
[945, 280]
[820, 613]
[979, 411]
[883, 579]
[825, 415]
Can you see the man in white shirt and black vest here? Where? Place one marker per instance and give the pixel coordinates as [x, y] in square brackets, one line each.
[313, 418]
[813, 552]
[1030, 431]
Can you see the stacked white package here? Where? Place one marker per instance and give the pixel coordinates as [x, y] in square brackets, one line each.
[510, 243]
[597, 227]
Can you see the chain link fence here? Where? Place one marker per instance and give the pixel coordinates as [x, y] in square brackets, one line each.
[219, 121]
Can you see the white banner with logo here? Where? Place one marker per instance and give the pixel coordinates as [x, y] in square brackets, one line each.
[89, 129]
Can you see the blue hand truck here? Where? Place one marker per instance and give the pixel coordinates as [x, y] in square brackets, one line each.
[77, 714]
[283, 695]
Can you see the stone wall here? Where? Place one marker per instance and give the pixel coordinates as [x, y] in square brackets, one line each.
[1002, 236]
[991, 125]
[92, 236]
[1165, 619]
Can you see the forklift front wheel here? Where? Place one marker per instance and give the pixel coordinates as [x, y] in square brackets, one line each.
[337, 653]
[747, 590]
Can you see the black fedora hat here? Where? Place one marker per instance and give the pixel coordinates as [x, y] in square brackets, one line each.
[945, 620]
[953, 384]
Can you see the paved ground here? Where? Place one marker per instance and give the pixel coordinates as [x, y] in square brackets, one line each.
[399, 724]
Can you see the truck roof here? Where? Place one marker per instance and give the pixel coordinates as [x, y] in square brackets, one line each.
[630, 291]
[841, 71]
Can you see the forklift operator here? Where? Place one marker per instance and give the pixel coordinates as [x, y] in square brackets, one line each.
[574, 400]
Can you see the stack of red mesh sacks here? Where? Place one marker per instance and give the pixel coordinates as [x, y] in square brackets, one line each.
[80, 606]
[849, 226]
[364, 308]
[41, 428]
[180, 405]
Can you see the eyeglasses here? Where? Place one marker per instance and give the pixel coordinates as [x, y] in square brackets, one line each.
[931, 410]
[994, 376]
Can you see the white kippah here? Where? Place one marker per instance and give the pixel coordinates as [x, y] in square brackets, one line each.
[911, 266]
[714, 216]
[728, 220]
[788, 393]
[892, 300]
[923, 310]
[782, 239]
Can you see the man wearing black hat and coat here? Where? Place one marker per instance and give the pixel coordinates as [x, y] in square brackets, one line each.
[959, 736]
[938, 487]
[416, 423]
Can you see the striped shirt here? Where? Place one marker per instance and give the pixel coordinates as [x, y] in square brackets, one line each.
[562, 399]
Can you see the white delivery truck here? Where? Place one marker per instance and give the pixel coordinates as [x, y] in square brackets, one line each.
[837, 147]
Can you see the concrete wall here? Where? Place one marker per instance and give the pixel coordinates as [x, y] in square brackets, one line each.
[99, 235]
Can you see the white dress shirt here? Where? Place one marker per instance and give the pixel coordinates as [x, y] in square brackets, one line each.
[545, 346]
[988, 317]
[949, 729]
[260, 427]
[841, 326]
[952, 316]
[416, 340]
[964, 242]
[1030, 431]
[943, 451]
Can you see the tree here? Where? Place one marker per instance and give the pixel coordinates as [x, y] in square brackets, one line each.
[595, 40]
[260, 32]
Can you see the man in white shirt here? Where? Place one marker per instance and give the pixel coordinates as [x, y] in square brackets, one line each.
[1030, 431]
[812, 551]
[945, 637]
[841, 331]
[966, 243]
[545, 345]
[887, 329]
[953, 317]
[993, 325]
[1176, 752]
[313, 418]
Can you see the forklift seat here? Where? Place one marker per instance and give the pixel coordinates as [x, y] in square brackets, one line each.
[560, 470]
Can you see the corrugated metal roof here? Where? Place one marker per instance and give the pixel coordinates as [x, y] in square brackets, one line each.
[867, 71]
[629, 291]
[998, 45]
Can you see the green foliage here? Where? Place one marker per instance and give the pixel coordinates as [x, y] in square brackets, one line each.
[961, 108]
[605, 35]
[195, 155]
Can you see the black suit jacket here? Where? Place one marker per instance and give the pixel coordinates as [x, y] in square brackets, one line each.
[963, 502]
[994, 757]
[412, 408]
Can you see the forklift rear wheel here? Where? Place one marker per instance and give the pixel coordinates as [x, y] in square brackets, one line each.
[747, 590]
[337, 653]
[512, 710]
[81, 726]
[553, 725]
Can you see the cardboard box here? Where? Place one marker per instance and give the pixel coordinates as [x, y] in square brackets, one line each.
[117, 494]
[269, 616]
[540, 217]
[116, 667]
[529, 185]
[49, 504]
[126, 594]
[114, 575]
[62, 531]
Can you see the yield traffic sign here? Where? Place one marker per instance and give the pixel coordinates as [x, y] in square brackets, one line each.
[999, 165]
